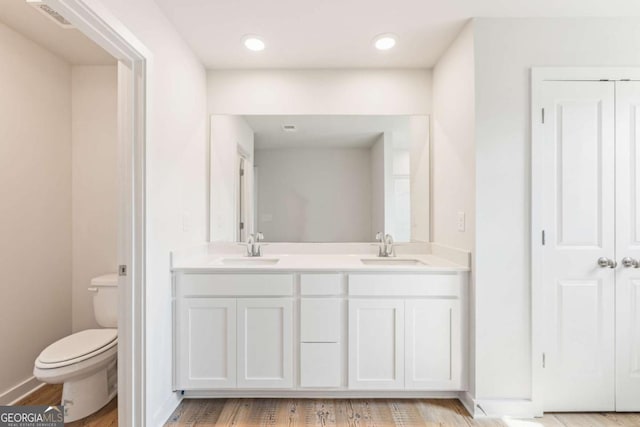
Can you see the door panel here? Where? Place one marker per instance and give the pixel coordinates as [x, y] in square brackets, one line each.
[376, 344]
[206, 346]
[432, 344]
[579, 205]
[628, 245]
[265, 337]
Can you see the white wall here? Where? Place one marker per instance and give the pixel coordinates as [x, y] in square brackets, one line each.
[453, 143]
[304, 194]
[505, 51]
[228, 135]
[35, 207]
[176, 178]
[95, 201]
[453, 157]
[365, 91]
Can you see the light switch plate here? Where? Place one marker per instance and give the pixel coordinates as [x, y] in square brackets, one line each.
[461, 221]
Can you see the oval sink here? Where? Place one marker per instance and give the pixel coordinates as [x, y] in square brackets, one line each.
[387, 261]
[249, 261]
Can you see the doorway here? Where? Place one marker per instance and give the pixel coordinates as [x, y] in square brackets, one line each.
[585, 239]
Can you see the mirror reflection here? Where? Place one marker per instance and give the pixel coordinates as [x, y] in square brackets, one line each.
[319, 178]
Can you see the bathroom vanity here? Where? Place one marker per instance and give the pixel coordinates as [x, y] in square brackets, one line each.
[319, 325]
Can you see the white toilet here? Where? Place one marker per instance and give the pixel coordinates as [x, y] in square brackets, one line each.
[85, 362]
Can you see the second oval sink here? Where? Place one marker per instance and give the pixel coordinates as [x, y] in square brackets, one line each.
[387, 261]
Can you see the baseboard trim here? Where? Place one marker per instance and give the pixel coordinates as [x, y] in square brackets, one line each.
[498, 408]
[161, 416]
[321, 394]
[17, 392]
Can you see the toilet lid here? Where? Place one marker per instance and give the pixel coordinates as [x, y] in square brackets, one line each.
[78, 345]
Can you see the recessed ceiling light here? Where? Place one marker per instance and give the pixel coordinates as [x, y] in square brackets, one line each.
[385, 41]
[253, 43]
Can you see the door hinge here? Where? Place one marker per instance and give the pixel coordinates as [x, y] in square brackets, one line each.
[543, 116]
[242, 226]
[544, 238]
[241, 172]
[544, 360]
[122, 270]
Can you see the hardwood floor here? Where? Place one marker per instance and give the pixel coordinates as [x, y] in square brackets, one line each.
[51, 394]
[329, 412]
[365, 412]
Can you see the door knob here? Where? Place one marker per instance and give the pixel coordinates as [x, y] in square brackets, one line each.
[606, 262]
[630, 262]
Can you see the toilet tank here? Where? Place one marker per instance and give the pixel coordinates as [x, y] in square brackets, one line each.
[105, 300]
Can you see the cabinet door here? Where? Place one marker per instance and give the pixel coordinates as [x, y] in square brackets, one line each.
[265, 338]
[376, 344]
[206, 343]
[432, 344]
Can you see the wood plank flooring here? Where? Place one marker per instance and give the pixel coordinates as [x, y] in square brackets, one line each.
[51, 394]
[332, 412]
[365, 413]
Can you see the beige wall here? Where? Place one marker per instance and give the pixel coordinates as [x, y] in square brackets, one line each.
[94, 152]
[35, 207]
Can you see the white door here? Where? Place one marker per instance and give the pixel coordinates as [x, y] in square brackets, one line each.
[376, 344]
[265, 337]
[432, 344]
[628, 246]
[579, 205]
[206, 343]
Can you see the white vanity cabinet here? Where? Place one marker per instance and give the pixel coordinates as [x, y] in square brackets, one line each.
[319, 332]
[406, 332]
[233, 331]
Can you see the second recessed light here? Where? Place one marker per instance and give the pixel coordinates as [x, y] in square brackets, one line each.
[385, 41]
[253, 43]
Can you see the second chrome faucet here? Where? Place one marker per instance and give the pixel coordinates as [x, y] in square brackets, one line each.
[385, 245]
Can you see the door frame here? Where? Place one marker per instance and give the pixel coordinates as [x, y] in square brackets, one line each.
[92, 19]
[539, 75]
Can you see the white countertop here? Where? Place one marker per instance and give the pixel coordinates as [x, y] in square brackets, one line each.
[312, 262]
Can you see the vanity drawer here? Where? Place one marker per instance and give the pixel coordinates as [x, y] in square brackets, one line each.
[321, 284]
[320, 319]
[224, 285]
[320, 365]
[424, 285]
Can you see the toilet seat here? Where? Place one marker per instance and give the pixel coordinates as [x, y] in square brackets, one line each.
[77, 347]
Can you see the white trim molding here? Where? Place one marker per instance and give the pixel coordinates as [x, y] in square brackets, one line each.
[499, 408]
[96, 22]
[16, 393]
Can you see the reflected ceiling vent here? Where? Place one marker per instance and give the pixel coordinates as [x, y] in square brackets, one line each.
[289, 128]
[50, 13]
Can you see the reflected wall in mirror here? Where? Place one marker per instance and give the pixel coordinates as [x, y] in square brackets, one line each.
[319, 178]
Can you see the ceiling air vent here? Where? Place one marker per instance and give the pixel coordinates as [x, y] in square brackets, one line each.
[289, 128]
[50, 13]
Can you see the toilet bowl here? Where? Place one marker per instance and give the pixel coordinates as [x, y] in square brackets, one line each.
[85, 362]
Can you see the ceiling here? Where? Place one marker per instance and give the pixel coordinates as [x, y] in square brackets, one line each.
[69, 44]
[339, 33]
[324, 131]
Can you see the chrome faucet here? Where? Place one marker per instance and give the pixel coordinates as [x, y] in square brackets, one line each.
[385, 245]
[253, 244]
